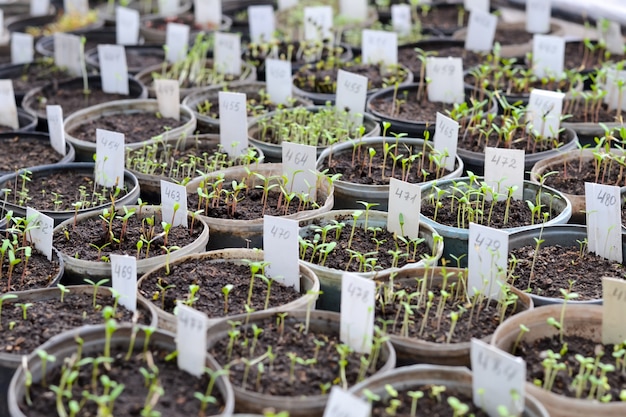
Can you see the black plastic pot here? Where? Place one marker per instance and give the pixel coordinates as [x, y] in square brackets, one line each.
[143, 55]
[93, 38]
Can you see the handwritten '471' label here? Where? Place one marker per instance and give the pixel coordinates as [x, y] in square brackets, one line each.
[404, 208]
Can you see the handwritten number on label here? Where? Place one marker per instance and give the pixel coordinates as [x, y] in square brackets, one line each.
[124, 272]
[488, 242]
[172, 194]
[606, 199]
[110, 144]
[504, 161]
[231, 106]
[299, 158]
[280, 233]
[189, 322]
[357, 292]
[494, 364]
[406, 195]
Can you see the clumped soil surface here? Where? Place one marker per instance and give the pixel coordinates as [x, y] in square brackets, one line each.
[39, 273]
[572, 176]
[73, 98]
[26, 152]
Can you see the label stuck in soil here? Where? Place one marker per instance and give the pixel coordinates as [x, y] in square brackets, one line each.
[488, 251]
[168, 97]
[446, 80]
[318, 23]
[54, 114]
[191, 327]
[124, 279]
[22, 49]
[286, 4]
[280, 243]
[343, 404]
[357, 312]
[299, 167]
[543, 113]
[481, 31]
[174, 203]
[76, 6]
[168, 7]
[401, 18]
[548, 56]
[8, 108]
[41, 234]
[611, 33]
[176, 41]
[39, 7]
[113, 69]
[233, 123]
[499, 379]
[109, 170]
[446, 139]
[208, 12]
[504, 172]
[126, 26]
[278, 80]
[261, 22]
[613, 98]
[613, 300]
[481, 5]
[404, 207]
[538, 13]
[227, 53]
[378, 46]
[353, 9]
[604, 220]
[67, 53]
[351, 94]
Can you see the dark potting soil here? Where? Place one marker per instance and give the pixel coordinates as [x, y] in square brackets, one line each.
[257, 104]
[47, 318]
[251, 206]
[177, 398]
[137, 127]
[57, 191]
[556, 266]
[73, 98]
[22, 151]
[510, 86]
[430, 404]
[519, 214]
[534, 353]
[578, 56]
[37, 272]
[363, 242]
[188, 19]
[443, 18]
[408, 108]
[38, 74]
[572, 176]
[409, 58]
[284, 341]
[256, 55]
[212, 277]
[600, 114]
[512, 36]
[143, 59]
[478, 322]
[360, 169]
[78, 240]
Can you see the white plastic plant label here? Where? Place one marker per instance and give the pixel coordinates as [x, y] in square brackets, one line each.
[168, 7]
[67, 53]
[538, 14]
[262, 23]
[446, 139]
[39, 7]
[278, 80]
[481, 31]
[54, 114]
[504, 172]
[615, 97]
[8, 108]
[318, 23]
[113, 69]
[208, 13]
[488, 251]
[499, 379]
[191, 327]
[354, 9]
[604, 220]
[126, 26]
[22, 50]
[446, 80]
[227, 53]
[176, 41]
[548, 55]
[299, 167]
[351, 94]
[404, 208]
[174, 204]
[280, 250]
[480, 5]
[544, 112]
[124, 279]
[168, 97]
[233, 123]
[378, 46]
[343, 404]
[401, 18]
[76, 6]
[357, 312]
[286, 4]
[109, 158]
[41, 234]
[613, 300]
[611, 33]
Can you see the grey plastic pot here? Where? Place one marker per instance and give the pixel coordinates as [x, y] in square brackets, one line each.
[249, 401]
[347, 194]
[308, 283]
[454, 378]
[87, 149]
[211, 94]
[274, 152]
[565, 235]
[102, 270]
[456, 238]
[475, 161]
[155, 35]
[330, 278]
[131, 196]
[580, 320]
[10, 362]
[142, 55]
[13, 140]
[411, 350]
[229, 233]
[248, 73]
[94, 338]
